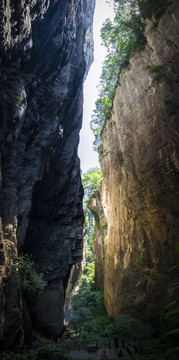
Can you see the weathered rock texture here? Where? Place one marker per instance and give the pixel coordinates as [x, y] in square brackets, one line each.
[45, 51]
[140, 164]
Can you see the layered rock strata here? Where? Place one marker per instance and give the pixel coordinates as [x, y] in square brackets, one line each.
[44, 57]
[140, 163]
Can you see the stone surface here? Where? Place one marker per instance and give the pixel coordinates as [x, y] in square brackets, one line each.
[44, 58]
[139, 159]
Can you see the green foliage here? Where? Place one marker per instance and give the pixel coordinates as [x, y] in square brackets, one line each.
[91, 182]
[96, 217]
[159, 73]
[155, 274]
[10, 355]
[82, 320]
[86, 281]
[177, 247]
[88, 303]
[171, 105]
[153, 7]
[43, 352]
[121, 37]
[30, 280]
[148, 8]
[132, 329]
[89, 314]
[153, 69]
[143, 337]
[86, 298]
[89, 248]
[143, 260]
[104, 247]
[104, 322]
[10, 83]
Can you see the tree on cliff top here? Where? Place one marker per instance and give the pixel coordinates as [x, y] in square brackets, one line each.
[121, 38]
[91, 182]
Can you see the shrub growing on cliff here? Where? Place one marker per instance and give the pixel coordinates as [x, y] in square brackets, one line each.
[121, 38]
[91, 182]
[29, 279]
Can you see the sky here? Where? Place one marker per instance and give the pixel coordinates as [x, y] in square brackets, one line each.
[88, 157]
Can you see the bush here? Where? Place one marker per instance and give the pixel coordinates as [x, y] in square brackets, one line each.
[29, 279]
[86, 298]
[10, 355]
[42, 353]
[132, 329]
[122, 37]
[82, 320]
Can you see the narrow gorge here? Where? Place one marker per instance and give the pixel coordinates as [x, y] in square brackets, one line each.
[46, 50]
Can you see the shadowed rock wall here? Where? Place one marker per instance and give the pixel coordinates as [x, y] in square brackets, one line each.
[46, 48]
[139, 159]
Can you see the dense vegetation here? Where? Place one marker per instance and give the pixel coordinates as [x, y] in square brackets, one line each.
[29, 279]
[121, 37]
[91, 183]
[89, 316]
[90, 321]
[44, 352]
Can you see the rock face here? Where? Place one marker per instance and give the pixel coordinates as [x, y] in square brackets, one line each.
[46, 48]
[139, 159]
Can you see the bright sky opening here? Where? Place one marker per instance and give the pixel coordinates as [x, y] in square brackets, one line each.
[88, 157]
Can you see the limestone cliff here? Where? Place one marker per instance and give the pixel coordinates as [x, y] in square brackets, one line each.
[45, 52]
[139, 159]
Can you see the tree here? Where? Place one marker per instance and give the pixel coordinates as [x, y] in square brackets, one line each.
[91, 182]
[121, 38]
[29, 279]
[82, 320]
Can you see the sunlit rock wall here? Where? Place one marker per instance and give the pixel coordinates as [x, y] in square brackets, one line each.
[44, 58]
[139, 159]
